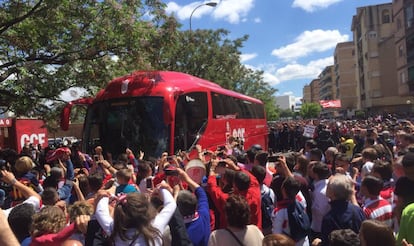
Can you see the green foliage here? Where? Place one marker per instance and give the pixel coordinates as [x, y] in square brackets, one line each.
[310, 110]
[286, 113]
[48, 46]
[210, 55]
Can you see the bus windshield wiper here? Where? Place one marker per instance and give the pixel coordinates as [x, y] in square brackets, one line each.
[198, 136]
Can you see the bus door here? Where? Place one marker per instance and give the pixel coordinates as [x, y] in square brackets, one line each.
[191, 114]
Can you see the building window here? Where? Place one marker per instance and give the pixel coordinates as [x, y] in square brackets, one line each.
[401, 50]
[399, 25]
[385, 16]
[409, 15]
[402, 78]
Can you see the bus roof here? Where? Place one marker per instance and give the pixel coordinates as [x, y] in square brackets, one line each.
[157, 83]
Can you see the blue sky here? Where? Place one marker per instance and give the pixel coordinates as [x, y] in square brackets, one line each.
[290, 40]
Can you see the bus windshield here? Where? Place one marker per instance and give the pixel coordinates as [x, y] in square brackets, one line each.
[135, 123]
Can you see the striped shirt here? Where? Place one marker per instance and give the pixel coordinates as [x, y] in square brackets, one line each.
[378, 209]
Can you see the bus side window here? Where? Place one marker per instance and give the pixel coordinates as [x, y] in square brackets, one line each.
[191, 112]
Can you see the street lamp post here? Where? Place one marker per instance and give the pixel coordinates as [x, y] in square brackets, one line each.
[211, 4]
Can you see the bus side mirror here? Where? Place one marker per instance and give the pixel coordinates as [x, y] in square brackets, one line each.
[65, 115]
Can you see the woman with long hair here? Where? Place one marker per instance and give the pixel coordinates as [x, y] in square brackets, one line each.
[135, 221]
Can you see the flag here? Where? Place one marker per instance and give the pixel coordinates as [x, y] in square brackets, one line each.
[330, 103]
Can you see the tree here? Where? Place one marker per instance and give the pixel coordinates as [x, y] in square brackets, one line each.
[210, 55]
[310, 110]
[47, 46]
[286, 113]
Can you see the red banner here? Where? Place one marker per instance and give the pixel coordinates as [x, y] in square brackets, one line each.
[6, 122]
[330, 103]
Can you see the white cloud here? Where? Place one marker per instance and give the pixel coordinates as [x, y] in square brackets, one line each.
[247, 57]
[300, 71]
[309, 42]
[313, 5]
[275, 75]
[257, 20]
[287, 93]
[233, 11]
[184, 12]
[73, 94]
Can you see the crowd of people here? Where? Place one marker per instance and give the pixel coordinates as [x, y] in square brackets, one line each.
[348, 183]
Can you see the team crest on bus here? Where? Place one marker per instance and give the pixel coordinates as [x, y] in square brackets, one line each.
[124, 86]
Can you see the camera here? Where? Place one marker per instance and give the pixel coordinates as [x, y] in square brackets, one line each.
[96, 158]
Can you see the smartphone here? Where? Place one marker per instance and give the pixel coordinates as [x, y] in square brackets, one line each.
[171, 172]
[273, 158]
[221, 148]
[170, 158]
[150, 184]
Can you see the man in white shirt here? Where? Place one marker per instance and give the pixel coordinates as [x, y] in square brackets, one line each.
[320, 202]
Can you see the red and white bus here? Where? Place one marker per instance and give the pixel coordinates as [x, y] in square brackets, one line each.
[167, 111]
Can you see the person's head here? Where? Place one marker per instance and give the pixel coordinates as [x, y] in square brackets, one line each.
[408, 164]
[134, 211]
[95, 181]
[369, 154]
[23, 165]
[50, 196]
[343, 237]
[124, 175]
[144, 170]
[252, 151]
[241, 181]
[369, 142]
[227, 180]
[310, 144]
[50, 219]
[315, 154]
[371, 186]
[278, 240]
[342, 160]
[330, 154]
[261, 158]
[79, 208]
[404, 190]
[320, 171]
[237, 211]
[340, 187]
[290, 187]
[382, 170]
[374, 232]
[20, 219]
[302, 164]
[259, 172]
[186, 203]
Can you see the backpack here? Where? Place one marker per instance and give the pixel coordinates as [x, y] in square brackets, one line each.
[299, 222]
[267, 209]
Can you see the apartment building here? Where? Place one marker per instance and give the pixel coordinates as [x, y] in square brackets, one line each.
[306, 94]
[375, 58]
[327, 86]
[314, 85]
[346, 84]
[403, 16]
